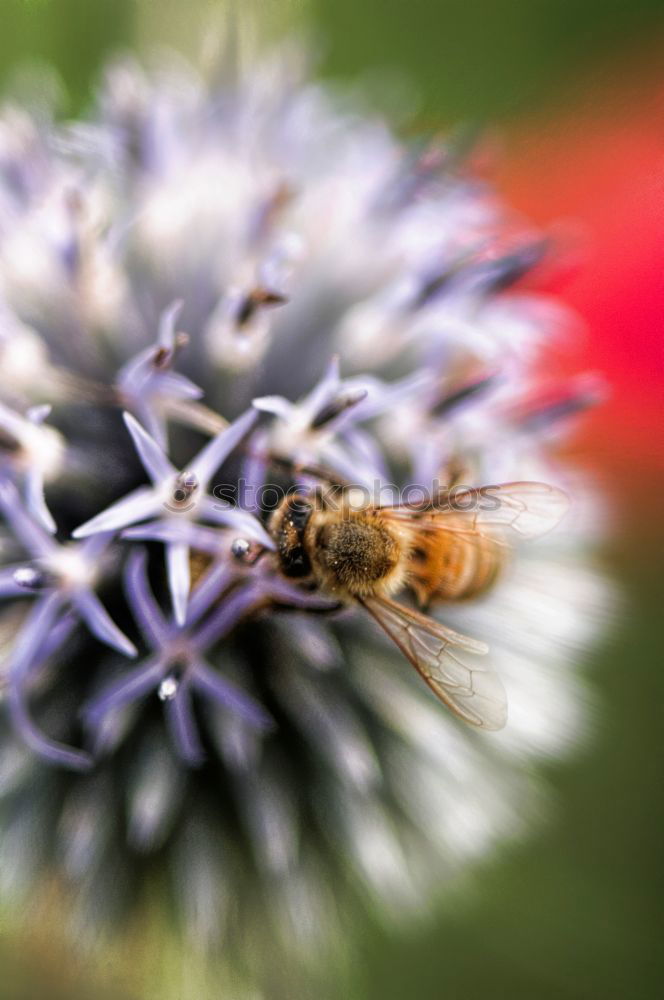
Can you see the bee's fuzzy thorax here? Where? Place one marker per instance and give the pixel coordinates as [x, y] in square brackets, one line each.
[355, 555]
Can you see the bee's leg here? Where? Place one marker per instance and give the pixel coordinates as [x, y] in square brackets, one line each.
[418, 579]
[199, 563]
[324, 608]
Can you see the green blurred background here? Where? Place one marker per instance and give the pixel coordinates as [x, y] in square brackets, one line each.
[575, 912]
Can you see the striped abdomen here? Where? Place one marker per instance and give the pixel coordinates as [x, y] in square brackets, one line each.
[447, 565]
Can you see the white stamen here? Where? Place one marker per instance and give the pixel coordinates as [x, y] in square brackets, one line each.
[168, 688]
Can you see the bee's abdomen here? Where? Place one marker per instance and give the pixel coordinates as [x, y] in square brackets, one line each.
[454, 567]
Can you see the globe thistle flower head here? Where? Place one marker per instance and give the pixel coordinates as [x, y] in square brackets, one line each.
[208, 291]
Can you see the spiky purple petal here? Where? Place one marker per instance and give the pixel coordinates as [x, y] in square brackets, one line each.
[136, 506]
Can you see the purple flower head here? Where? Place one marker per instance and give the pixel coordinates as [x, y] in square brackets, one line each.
[352, 311]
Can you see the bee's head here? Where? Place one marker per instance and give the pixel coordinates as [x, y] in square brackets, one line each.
[287, 526]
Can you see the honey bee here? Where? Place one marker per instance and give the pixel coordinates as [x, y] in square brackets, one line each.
[450, 547]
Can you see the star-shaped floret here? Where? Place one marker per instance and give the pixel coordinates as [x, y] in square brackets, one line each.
[176, 667]
[70, 571]
[322, 407]
[177, 499]
[63, 579]
[323, 426]
[147, 383]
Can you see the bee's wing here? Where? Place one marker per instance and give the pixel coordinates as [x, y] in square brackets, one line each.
[475, 694]
[529, 509]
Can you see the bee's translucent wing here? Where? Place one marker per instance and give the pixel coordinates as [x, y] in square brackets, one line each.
[475, 694]
[529, 509]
